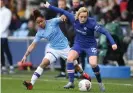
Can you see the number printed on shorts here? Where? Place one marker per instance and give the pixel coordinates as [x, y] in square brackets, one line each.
[94, 50]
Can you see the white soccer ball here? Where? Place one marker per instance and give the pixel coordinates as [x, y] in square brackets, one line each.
[84, 85]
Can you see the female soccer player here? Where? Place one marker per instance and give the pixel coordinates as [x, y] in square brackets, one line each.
[57, 47]
[84, 41]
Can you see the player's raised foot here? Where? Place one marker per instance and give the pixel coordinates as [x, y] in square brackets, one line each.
[69, 85]
[28, 85]
[85, 76]
[102, 87]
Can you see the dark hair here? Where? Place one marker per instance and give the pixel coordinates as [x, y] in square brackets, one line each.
[36, 14]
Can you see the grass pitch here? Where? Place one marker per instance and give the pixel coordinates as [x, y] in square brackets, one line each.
[47, 83]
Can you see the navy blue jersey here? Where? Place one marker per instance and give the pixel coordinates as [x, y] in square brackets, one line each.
[85, 32]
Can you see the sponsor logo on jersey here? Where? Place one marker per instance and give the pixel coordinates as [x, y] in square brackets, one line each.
[82, 32]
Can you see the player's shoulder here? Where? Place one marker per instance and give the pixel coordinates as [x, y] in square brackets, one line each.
[48, 21]
[91, 21]
[54, 19]
[39, 31]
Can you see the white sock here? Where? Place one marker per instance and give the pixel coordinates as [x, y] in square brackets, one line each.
[36, 75]
[11, 68]
[63, 73]
[4, 68]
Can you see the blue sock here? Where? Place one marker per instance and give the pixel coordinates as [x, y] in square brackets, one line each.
[96, 70]
[70, 71]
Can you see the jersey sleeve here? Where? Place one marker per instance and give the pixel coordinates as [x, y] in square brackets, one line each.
[102, 30]
[70, 16]
[56, 20]
[37, 38]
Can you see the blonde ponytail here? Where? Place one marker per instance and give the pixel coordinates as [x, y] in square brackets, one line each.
[82, 9]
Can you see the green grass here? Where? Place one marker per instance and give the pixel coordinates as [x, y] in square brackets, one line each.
[48, 84]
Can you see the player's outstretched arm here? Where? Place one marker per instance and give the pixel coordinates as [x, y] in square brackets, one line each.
[102, 30]
[70, 16]
[109, 37]
[29, 50]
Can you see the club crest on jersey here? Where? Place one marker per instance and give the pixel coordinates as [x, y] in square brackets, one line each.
[94, 50]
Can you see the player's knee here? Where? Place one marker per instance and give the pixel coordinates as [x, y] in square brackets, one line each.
[52, 58]
[70, 60]
[44, 63]
[93, 65]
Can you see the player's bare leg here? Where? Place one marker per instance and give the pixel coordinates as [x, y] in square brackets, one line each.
[96, 70]
[37, 74]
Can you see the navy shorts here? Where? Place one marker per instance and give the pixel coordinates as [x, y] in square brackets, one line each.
[91, 51]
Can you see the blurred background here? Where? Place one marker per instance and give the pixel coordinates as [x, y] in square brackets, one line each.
[115, 15]
[17, 31]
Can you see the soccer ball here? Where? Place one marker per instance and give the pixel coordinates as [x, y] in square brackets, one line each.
[84, 85]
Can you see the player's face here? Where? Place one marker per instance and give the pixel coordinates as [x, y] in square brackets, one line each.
[1, 3]
[40, 22]
[61, 4]
[83, 17]
[75, 3]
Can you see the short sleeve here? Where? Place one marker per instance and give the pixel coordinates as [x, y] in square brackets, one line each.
[56, 20]
[37, 38]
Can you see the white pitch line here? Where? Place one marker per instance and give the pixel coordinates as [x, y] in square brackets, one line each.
[119, 84]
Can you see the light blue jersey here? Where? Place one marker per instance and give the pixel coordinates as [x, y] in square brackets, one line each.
[53, 34]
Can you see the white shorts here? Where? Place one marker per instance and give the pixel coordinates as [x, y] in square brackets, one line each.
[52, 54]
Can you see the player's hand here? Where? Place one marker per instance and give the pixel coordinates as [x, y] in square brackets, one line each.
[45, 5]
[63, 18]
[23, 59]
[114, 46]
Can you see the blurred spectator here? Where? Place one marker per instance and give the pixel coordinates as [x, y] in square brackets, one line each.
[116, 11]
[123, 10]
[97, 11]
[116, 32]
[15, 23]
[130, 48]
[101, 7]
[11, 4]
[75, 6]
[53, 2]
[31, 28]
[123, 5]
[90, 2]
[49, 14]
[130, 10]
[21, 7]
[124, 16]
[22, 32]
[90, 5]
[5, 19]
